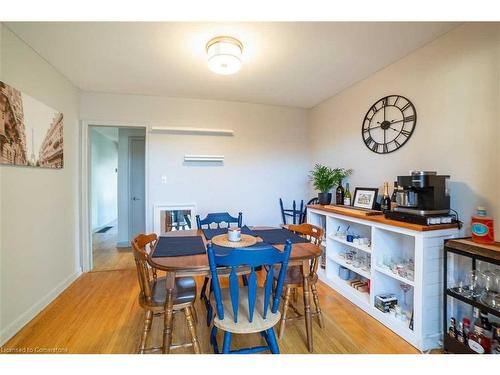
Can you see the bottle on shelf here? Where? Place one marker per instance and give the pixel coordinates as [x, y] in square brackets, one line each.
[465, 330]
[460, 333]
[479, 339]
[385, 205]
[452, 331]
[393, 196]
[495, 346]
[347, 195]
[339, 194]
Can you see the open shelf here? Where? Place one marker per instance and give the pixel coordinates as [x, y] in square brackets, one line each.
[358, 270]
[366, 249]
[473, 302]
[365, 297]
[389, 273]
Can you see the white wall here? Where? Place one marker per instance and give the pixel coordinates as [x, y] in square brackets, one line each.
[454, 84]
[104, 179]
[266, 159]
[39, 242]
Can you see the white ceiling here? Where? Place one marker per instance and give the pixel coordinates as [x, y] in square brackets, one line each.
[294, 63]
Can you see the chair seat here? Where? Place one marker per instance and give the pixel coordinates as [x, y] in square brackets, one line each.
[184, 293]
[243, 325]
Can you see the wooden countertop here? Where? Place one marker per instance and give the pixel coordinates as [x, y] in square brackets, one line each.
[382, 220]
[468, 246]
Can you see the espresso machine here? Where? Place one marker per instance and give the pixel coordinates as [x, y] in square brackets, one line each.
[422, 198]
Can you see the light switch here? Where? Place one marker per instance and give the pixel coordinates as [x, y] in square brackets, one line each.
[164, 180]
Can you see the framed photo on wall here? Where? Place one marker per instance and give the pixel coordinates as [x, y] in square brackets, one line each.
[365, 198]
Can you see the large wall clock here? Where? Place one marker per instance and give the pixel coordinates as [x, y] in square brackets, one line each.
[389, 124]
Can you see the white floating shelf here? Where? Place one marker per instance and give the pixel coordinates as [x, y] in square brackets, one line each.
[204, 158]
[192, 131]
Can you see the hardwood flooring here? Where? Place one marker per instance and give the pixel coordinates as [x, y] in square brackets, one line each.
[99, 313]
[106, 256]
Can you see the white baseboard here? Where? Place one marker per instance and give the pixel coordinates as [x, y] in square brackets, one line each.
[8, 332]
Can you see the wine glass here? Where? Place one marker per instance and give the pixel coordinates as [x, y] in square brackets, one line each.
[475, 280]
[405, 288]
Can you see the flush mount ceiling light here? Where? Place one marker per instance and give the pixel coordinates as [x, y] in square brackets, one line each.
[224, 55]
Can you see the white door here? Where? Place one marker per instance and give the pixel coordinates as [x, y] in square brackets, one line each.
[137, 196]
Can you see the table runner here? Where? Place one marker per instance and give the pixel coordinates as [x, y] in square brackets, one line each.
[279, 236]
[179, 246]
[211, 233]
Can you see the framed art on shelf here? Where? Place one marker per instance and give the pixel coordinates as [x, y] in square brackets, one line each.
[365, 198]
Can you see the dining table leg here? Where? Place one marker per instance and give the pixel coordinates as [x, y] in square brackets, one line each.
[306, 271]
[169, 312]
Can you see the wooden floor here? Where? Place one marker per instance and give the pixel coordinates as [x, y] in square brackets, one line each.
[106, 256]
[99, 313]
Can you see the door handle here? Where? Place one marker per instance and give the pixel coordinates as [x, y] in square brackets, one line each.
[136, 199]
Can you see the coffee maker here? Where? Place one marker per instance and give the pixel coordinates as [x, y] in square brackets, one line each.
[422, 198]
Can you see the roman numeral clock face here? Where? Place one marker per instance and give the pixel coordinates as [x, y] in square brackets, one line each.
[389, 124]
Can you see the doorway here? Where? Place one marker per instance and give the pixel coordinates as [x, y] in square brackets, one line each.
[117, 194]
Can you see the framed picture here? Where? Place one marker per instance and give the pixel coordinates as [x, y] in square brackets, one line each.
[31, 133]
[365, 198]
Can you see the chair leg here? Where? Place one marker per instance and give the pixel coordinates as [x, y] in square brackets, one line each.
[203, 292]
[226, 346]
[286, 304]
[295, 293]
[192, 329]
[147, 327]
[244, 279]
[271, 341]
[213, 340]
[316, 303]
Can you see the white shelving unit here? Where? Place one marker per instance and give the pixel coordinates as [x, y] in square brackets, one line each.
[425, 295]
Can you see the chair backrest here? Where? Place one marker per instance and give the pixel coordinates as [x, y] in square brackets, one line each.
[304, 214]
[313, 234]
[144, 271]
[264, 255]
[294, 213]
[219, 218]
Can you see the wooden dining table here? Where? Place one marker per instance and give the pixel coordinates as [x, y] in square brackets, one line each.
[197, 265]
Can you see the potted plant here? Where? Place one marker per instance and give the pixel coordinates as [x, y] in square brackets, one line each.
[325, 178]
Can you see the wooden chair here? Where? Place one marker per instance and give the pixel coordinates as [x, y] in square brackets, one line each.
[217, 218]
[294, 213]
[294, 279]
[248, 309]
[303, 218]
[153, 293]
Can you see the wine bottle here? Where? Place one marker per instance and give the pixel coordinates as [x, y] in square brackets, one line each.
[385, 205]
[339, 194]
[347, 195]
[393, 196]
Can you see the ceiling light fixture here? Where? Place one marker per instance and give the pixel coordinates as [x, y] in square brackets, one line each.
[224, 55]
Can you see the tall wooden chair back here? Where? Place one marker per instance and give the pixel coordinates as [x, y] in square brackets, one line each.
[304, 214]
[144, 272]
[312, 233]
[294, 213]
[219, 218]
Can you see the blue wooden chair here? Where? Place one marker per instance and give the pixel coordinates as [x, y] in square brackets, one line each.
[294, 213]
[218, 218]
[221, 220]
[248, 309]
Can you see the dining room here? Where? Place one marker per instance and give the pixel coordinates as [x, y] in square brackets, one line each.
[298, 186]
